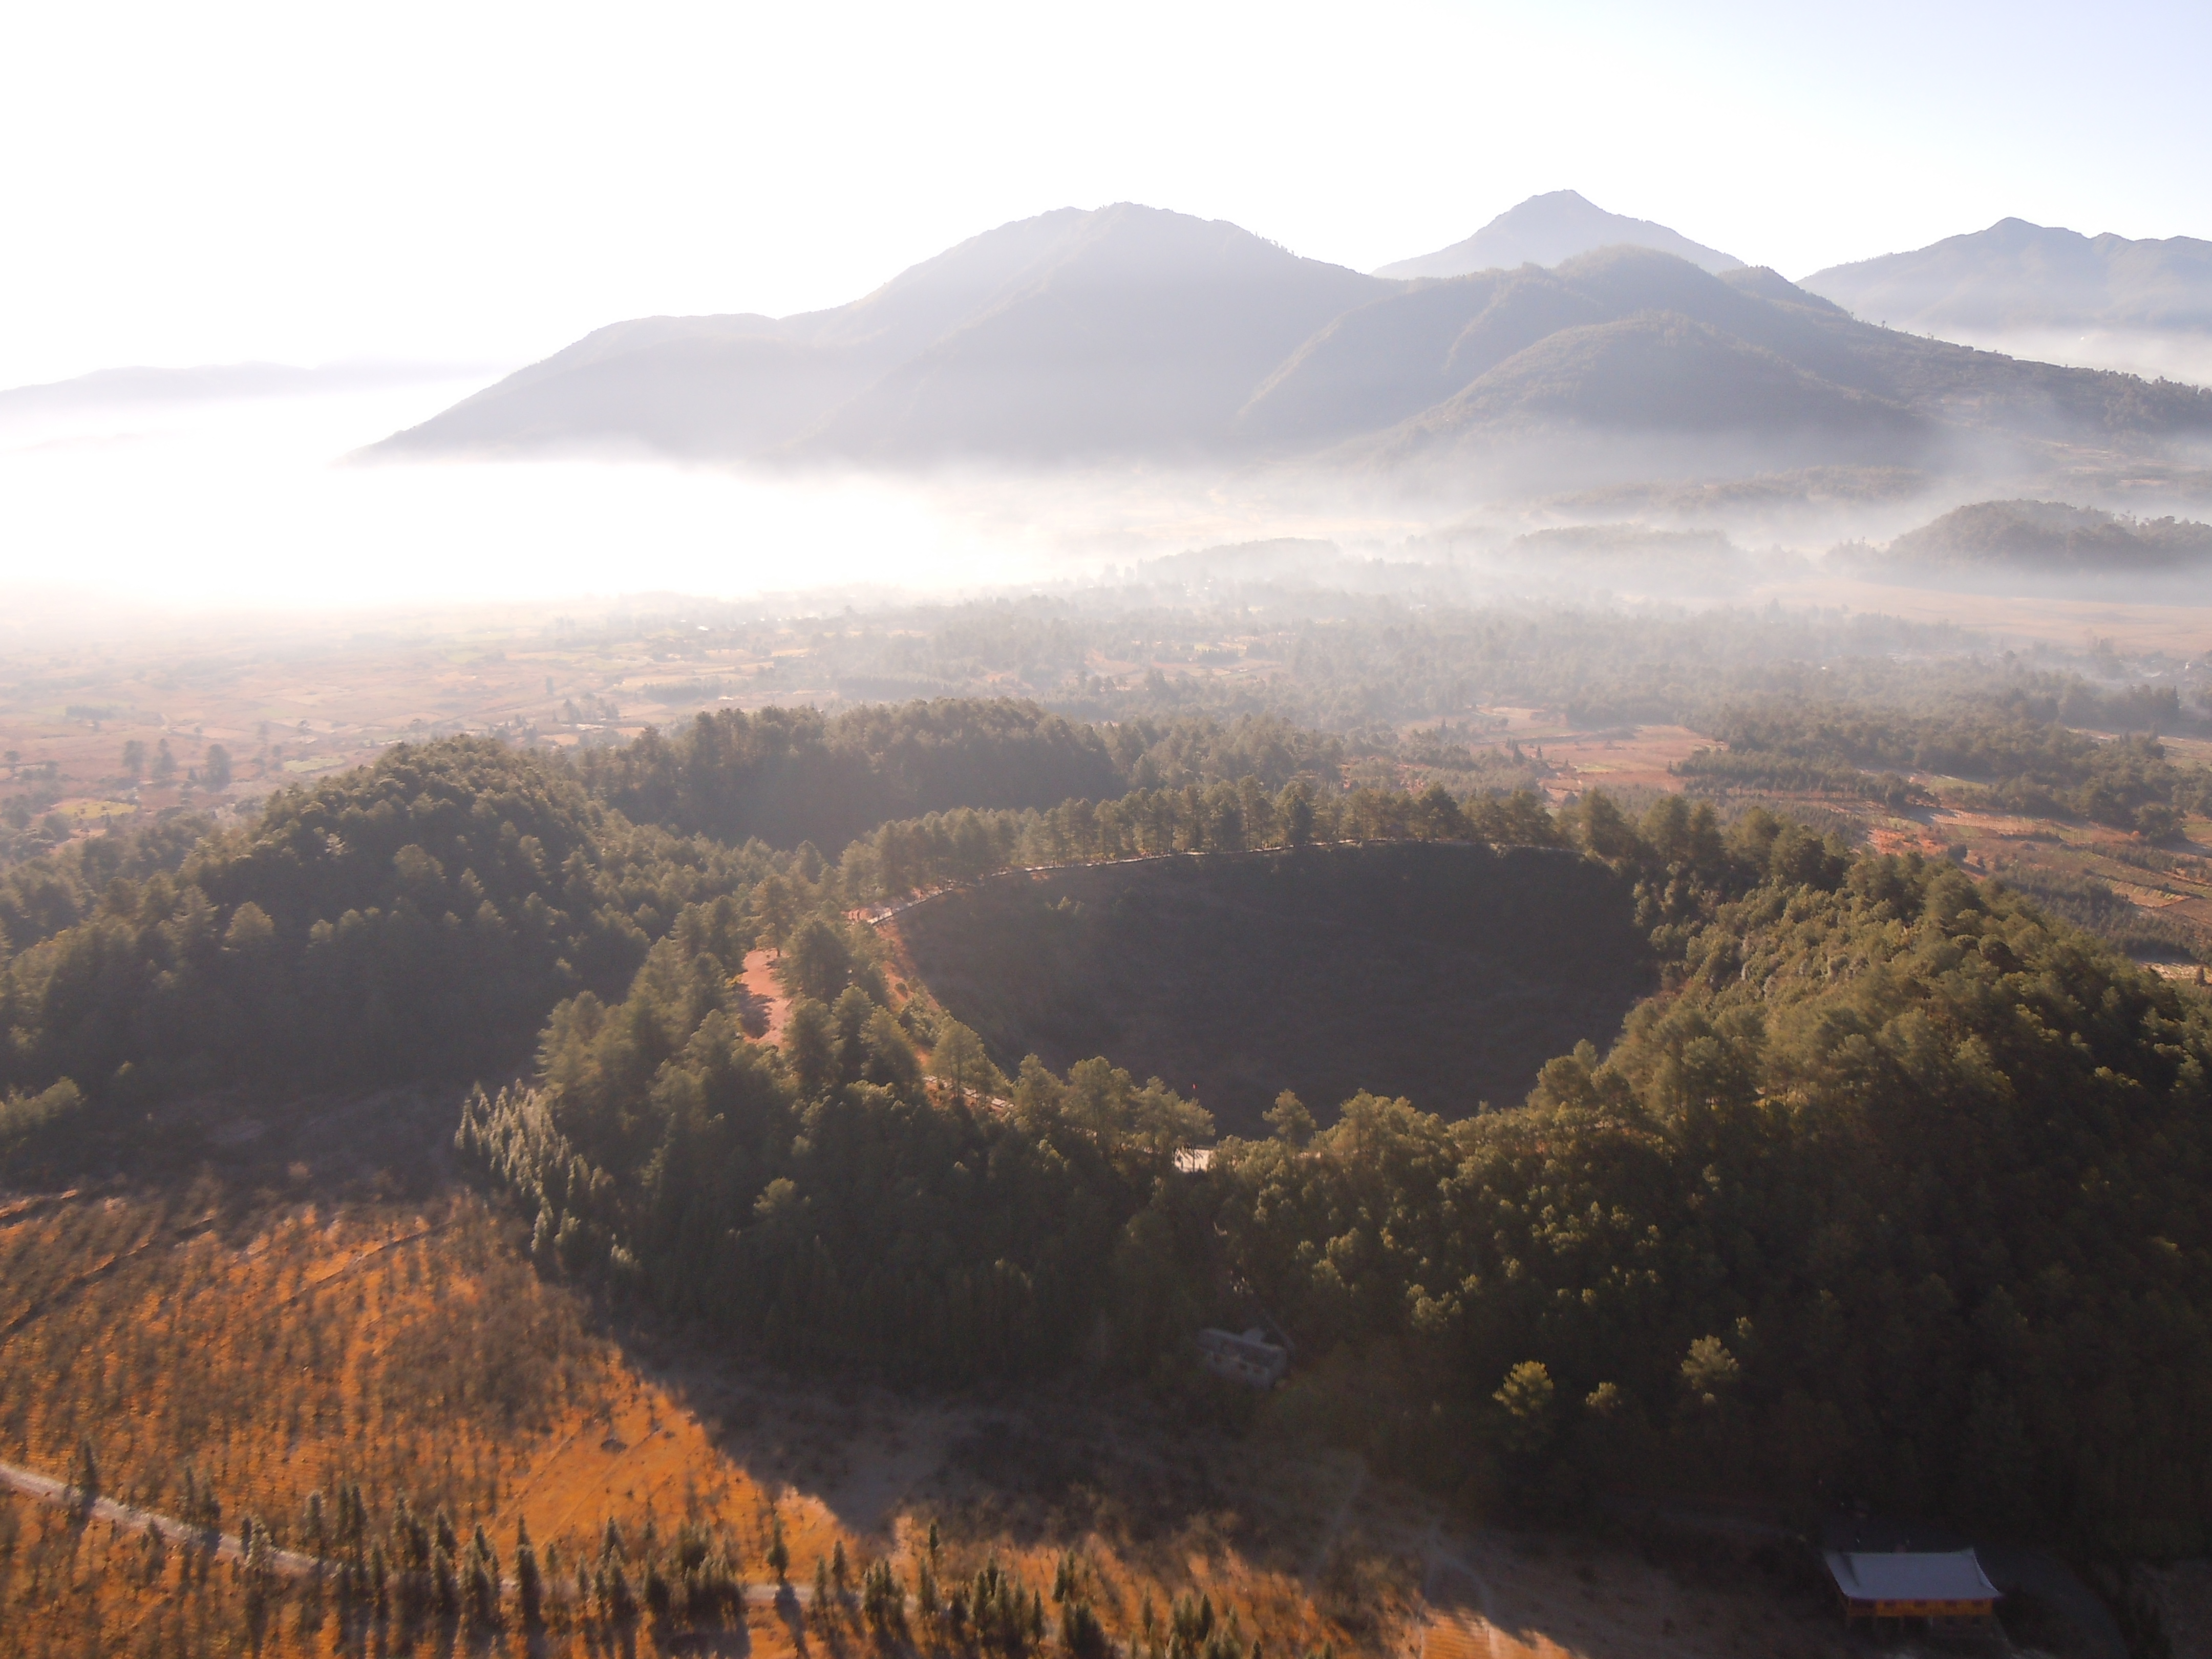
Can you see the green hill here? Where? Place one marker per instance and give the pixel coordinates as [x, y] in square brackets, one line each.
[2053, 538]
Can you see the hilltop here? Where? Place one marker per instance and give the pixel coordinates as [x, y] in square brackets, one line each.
[2050, 539]
[2018, 276]
[1548, 229]
[1070, 333]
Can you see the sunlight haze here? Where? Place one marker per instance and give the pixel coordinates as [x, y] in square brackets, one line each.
[484, 184]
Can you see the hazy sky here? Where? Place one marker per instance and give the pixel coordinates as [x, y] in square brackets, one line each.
[483, 183]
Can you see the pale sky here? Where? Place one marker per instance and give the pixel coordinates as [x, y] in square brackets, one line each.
[481, 184]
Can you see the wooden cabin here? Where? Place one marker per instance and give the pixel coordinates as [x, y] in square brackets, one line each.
[1912, 1584]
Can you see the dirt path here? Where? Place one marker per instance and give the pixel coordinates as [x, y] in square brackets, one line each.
[47, 1490]
[761, 984]
[291, 1563]
[100, 1270]
[309, 1287]
[23, 1209]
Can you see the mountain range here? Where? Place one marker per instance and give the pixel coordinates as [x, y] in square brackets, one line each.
[2017, 275]
[1129, 332]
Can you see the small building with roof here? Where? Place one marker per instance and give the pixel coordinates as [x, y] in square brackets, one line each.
[1911, 1584]
[1248, 1359]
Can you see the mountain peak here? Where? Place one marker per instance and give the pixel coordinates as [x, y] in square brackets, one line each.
[1550, 228]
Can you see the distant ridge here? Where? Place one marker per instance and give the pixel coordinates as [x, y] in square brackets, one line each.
[1130, 334]
[2053, 538]
[2018, 276]
[1550, 228]
[1126, 329]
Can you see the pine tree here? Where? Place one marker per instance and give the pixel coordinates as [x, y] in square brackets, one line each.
[1081, 1634]
[84, 1477]
[529, 1594]
[411, 1539]
[778, 1553]
[926, 1597]
[260, 1551]
[445, 1588]
[483, 1581]
[839, 1570]
[259, 1556]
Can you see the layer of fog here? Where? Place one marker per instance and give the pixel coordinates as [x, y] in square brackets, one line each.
[146, 509]
[2170, 355]
[249, 502]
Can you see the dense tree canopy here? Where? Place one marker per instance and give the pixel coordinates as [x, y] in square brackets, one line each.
[787, 775]
[1898, 1194]
[415, 918]
[2015, 746]
[1894, 1189]
[825, 1201]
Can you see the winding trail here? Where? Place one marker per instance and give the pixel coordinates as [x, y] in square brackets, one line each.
[46, 1490]
[289, 1564]
[69, 1287]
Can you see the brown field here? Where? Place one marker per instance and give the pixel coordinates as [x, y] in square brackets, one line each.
[322, 1303]
[278, 1331]
[2070, 623]
[293, 698]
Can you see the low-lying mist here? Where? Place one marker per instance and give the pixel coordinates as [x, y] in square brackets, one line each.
[2163, 355]
[252, 504]
[153, 509]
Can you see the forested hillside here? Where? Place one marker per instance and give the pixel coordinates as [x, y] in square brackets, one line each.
[2014, 747]
[1891, 1192]
[417, 918]
[1897, 1196]
[1893, 1188]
